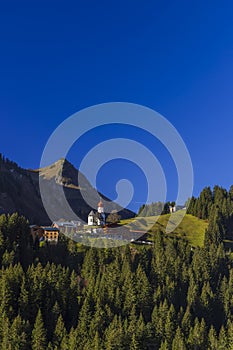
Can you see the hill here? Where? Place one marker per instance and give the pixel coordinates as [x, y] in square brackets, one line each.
[190, 228]
[19, 191]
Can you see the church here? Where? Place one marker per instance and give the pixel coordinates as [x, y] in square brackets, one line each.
[98, 218]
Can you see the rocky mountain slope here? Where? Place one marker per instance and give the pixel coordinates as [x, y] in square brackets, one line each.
[19, 191]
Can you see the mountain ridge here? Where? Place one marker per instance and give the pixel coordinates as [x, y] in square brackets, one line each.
[20, 192]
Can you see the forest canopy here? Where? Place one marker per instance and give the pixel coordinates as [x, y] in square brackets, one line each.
[165, 296]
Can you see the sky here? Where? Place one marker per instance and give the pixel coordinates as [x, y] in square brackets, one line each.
[176, 57]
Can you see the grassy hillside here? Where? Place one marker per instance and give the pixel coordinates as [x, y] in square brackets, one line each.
[190, 228]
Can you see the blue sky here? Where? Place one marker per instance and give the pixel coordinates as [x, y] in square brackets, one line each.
[176, 57]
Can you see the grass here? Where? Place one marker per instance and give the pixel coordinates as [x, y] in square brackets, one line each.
[190, 228]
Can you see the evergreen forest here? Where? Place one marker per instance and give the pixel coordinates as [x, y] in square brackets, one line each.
[166, 296]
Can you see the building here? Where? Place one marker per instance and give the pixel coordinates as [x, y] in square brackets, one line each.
[36, 231]
[44, 234]
[91, 218]
[63, 224]
[172, 209]
[97, 218]
[51, 234]
[68, 227]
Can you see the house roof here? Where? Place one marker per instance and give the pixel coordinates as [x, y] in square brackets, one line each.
[54, 229]
[91, 213]
[76, 222]
[64, 223]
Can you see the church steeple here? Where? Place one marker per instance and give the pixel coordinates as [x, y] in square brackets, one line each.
[100, 207]
[101, 215]
[97, 218]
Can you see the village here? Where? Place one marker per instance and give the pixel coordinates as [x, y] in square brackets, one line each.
[96, 227]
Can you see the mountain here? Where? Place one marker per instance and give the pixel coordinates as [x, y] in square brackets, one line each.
[19, 191]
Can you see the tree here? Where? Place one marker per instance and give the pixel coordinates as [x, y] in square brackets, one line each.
[166, 208]
[39, 341]
[170, 324]
[186, 321]
[164, 346]
[231, 193]
[215, 232]
[18, 336]
[24, 305]
[5, 332]
[212, 339]
[178, 342]
[113, 217]
[143, 290]
[114, 338]
[60, 334]
[223, 341]
[96, 344]
[207, 302]
[73, 339]
[134, 345]
[230, 334]
[197, 335]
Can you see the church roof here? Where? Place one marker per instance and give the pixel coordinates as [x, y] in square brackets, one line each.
[91, 213]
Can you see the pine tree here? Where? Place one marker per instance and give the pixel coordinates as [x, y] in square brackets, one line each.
[164, 346]
[18, 336]
[134, 345]
[132, 321]
[24, 301]
[207, 302]
[73, 342]
[39, 334]
[223, 341]
[114, 337]
[230, 334]
[178, 342]
[212, 339]
[85, 319]
[143, 290]
[231, 193]
[216, 231]
[170, 325]
[5, 333]
[60, 333]
[96, 344]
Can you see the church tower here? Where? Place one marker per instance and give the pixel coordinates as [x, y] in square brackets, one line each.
[101, 215]
[100, 207]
